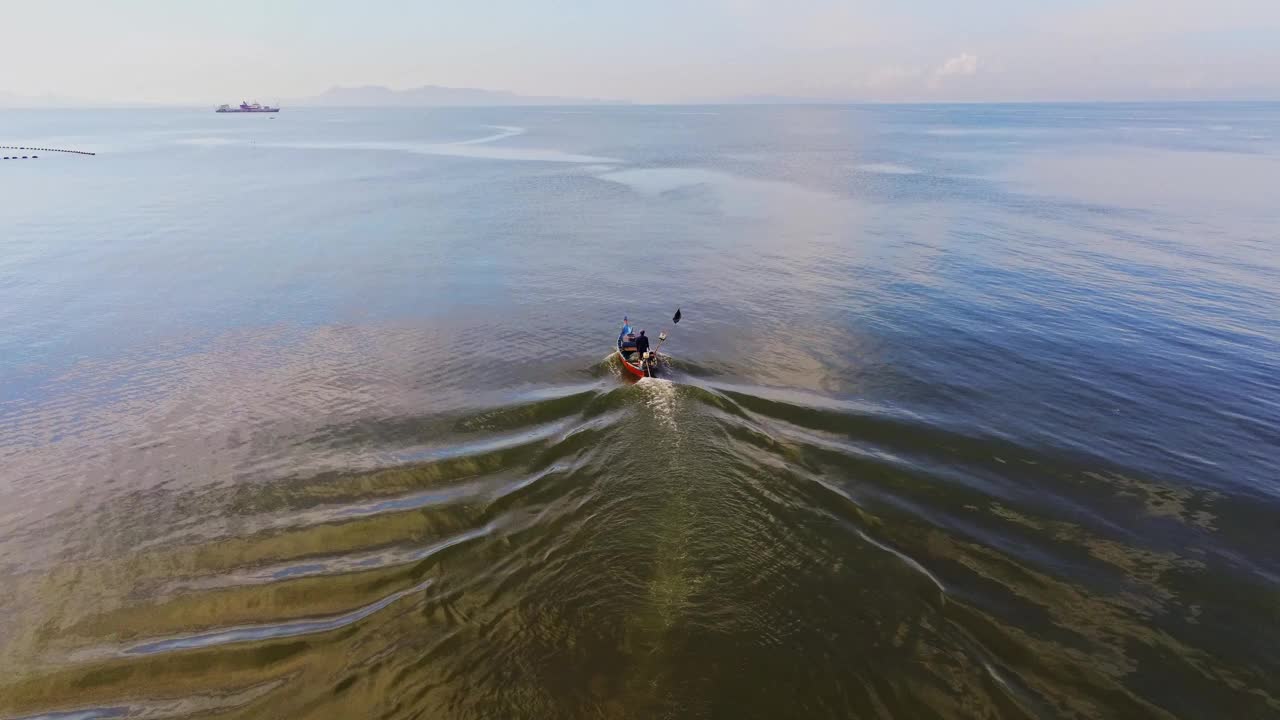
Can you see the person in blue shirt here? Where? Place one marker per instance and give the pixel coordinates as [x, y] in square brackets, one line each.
[626, 329]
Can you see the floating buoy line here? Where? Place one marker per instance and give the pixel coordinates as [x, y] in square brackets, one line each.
[38, 149]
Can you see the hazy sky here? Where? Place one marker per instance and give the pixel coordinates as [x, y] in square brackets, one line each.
[647, 50]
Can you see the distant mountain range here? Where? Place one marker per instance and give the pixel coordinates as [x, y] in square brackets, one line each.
[433, 96]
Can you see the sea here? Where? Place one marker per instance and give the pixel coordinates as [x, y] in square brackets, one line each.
[973, 411]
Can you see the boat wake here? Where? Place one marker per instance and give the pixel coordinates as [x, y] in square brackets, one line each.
[506, 132]
[483, 147]
[627, 531]
[660, 396]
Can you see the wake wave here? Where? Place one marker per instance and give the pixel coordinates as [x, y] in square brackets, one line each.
[481, 147]
[506, 132]
[614, 522]
[660, 398]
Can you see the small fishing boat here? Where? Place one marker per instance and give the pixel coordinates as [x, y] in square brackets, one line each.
[633, 368]
[650, 364]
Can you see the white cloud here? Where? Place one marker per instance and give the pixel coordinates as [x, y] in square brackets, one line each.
[962, 65]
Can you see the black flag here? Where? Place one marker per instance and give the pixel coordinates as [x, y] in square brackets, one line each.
[676, 319]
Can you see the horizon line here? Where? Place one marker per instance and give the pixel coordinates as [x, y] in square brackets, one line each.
[587, 102]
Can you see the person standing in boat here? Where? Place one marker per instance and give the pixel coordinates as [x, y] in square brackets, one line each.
[626, 330]
[642, 344]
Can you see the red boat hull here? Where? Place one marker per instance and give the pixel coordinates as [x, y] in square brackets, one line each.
[626, 364]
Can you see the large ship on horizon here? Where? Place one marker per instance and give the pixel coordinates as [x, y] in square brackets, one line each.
[247, 108]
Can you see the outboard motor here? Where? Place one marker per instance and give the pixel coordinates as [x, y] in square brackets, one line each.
[650, 364]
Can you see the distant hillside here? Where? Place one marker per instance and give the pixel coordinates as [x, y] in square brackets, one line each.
[432, 96]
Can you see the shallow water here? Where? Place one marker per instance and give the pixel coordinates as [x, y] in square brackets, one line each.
[973, 411]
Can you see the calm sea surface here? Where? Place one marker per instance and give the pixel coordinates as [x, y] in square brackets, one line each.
[974, 412]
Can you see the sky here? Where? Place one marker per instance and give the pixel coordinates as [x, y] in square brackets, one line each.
[188, 51]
